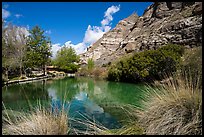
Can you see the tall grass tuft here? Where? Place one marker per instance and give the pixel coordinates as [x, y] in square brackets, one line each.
[173, 108]
[39, 122]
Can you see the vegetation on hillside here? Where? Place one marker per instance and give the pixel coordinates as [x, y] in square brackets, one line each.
[147, 65]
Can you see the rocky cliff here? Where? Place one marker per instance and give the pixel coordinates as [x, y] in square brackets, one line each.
[161, 23]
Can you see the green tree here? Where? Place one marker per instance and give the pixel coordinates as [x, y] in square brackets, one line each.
[38, 49]
[66, 59]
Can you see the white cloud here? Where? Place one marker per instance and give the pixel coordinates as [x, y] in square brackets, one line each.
[92, 34]
[5, 14]
[108, 14]
[55, 48]
[48, 31]
[18, 15]
[107, 28]
[79, 48]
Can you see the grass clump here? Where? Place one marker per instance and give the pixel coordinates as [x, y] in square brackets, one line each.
[39, 122]
[131, 129]
[192, 62]
[174, 108]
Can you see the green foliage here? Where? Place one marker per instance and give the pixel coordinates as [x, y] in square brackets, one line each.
[147, 65]
[66, 59]
[38, 48]
[90, 64]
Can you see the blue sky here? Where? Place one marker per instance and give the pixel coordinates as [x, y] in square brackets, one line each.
[69, 21]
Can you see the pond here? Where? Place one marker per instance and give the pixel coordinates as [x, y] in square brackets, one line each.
[84, 98]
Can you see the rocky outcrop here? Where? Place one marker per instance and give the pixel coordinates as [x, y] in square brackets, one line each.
[161, 23]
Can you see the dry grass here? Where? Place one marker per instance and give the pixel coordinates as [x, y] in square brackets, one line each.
[95, 128]
[90, 128]
[39, 122]
[131, 129]
[174, 108]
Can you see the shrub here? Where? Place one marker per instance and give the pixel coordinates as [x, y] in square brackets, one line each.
[95, 72]
[99, 72]
[83, 71]
[147, 65]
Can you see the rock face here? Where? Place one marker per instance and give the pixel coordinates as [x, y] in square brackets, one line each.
[161, 23]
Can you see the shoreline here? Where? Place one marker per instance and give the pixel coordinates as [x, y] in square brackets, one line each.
[20, 81]
[28, 80]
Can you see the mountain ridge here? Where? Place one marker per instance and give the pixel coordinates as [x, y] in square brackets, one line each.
[161, 23]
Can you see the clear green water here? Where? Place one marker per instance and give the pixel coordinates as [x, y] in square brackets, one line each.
[84, 98]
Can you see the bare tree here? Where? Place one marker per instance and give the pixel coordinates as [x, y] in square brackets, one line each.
[20, 47]
[7, 48]
[13, 48]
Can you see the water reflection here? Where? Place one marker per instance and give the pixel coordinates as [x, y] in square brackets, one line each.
[24, 97]
[81, 108]
[84, 98]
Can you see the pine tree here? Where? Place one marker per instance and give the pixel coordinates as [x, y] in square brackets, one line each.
[38, 49]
